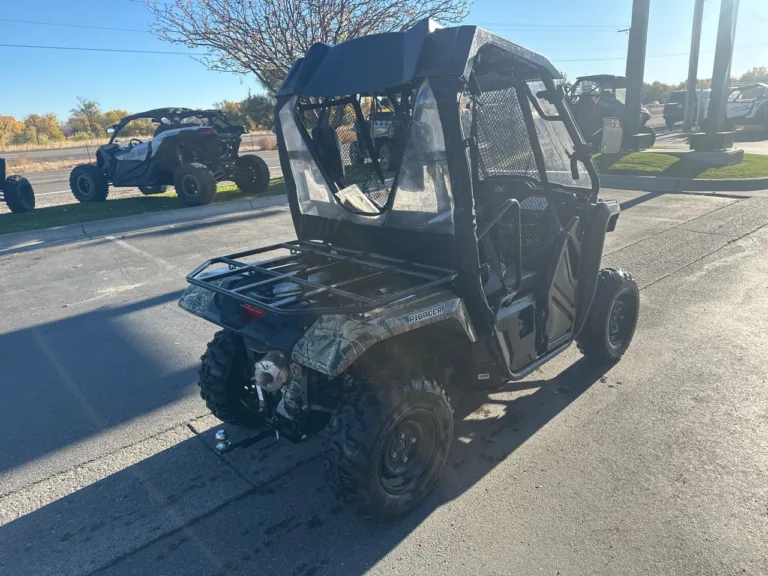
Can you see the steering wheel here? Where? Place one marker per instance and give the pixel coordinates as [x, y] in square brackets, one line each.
[134, 141]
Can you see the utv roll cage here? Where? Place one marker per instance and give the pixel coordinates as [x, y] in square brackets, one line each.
[175, 116]
[484, 204]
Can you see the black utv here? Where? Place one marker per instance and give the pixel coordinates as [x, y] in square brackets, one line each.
[16, 191]
[474, 265]
[190, 149]
[595, 98]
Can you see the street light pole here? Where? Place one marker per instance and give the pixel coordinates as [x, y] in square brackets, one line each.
[693, 66]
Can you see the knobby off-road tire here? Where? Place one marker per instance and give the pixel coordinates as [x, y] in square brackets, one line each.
[18, 194]
[88, 183]
[383, 417]
[251, 174]
[223, 374]
[195, 184]
[612, 320]
[149, 190]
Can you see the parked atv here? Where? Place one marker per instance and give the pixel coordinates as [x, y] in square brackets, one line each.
[16, 191]
[384, 127]
[191, 150]
[594, 98]
[475, 265]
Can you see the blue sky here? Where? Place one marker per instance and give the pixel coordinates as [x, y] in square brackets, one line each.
[579, 36]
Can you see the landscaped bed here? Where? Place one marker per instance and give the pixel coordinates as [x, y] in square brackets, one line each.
[62, 215]
[663, 164]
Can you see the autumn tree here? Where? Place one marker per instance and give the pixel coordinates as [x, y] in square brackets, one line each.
[265, 37]
[10, 129]
[46, 127]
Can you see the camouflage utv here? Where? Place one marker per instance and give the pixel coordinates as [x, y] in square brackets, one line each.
[476, 263]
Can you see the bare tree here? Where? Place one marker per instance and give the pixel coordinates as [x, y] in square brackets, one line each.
[266, 36]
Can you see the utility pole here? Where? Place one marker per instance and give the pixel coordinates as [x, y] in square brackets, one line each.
[715, 138]
[638, 37]
[693, 66]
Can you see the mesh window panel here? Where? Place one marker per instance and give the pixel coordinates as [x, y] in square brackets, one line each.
[356, 166]
[502, 138]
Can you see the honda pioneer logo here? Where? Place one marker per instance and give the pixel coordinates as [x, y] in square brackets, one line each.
[419, 316]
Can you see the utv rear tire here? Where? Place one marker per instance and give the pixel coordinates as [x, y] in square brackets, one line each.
[389, 156]
[251, 174]
[670, 123]
[19, 194]
[383, 423]
[88, 183]
[195, 184]
[149, 190]
[612, 320]
[223, 373]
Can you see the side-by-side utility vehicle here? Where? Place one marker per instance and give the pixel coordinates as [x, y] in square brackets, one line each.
[473, 265]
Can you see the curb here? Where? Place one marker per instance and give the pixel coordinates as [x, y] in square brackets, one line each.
[665, 184]
[21, 241]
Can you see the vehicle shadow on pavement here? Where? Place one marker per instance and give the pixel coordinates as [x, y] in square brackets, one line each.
[70, 379]
[265, 509]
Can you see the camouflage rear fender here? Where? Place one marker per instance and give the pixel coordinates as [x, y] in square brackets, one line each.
[335, 341]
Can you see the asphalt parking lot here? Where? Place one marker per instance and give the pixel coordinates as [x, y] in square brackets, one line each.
[656, 466]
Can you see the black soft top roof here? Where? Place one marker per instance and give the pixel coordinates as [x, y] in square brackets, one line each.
[171, 113]
[378, 62]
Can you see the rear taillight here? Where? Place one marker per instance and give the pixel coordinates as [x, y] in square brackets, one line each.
[252, 312]
[207, 131]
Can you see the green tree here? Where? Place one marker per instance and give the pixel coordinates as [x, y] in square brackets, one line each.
[260, 110]
[234, 111]
[756, 74]
[86, 117]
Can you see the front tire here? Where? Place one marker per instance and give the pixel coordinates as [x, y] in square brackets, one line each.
[223, 373]
[251, 174]
[612, 319]
[149, 190]
[18, 194]
[387, 443]
[195, 184]
[88, 183]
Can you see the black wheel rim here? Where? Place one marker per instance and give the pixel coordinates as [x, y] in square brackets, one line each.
[384, 158]
[409, 451]
[189, 185]
[84, 186]
[622, 318]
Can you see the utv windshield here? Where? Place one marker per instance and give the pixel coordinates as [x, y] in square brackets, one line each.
[334, 147]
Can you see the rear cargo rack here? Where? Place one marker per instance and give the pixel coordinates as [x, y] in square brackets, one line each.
[316, 278]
